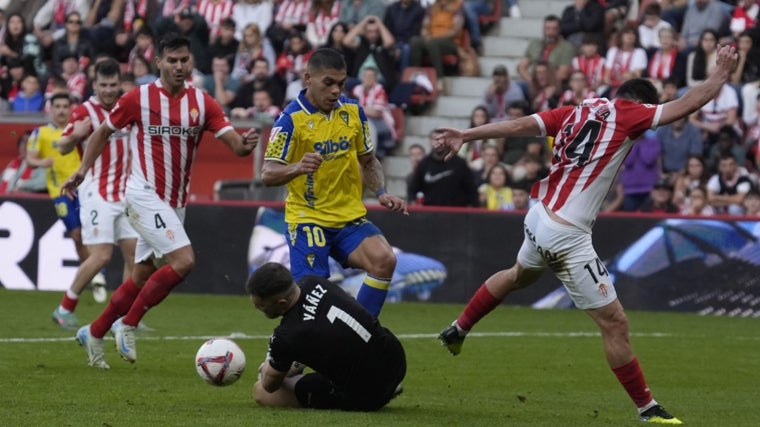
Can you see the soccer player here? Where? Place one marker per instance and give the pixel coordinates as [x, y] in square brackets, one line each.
[42, 152]
[320, 147]
[101, 195]
[590, 143]
[358, 363]
[168, 118]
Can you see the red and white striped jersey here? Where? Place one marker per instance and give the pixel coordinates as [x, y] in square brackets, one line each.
[108, 174]
[320, 23]
[593, 68]
[293, 12]
[214, 11]
[165, 140]
[590, 143]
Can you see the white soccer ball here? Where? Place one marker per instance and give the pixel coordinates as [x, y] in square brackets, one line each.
[220, 361]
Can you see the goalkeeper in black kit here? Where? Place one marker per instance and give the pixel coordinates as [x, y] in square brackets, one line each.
[358, 364]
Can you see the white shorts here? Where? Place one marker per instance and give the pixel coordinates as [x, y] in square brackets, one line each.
[103, 222]
[160, 226]
[568, 251]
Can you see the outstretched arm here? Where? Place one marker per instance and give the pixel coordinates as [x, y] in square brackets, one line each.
[453, 139]
[701, 94]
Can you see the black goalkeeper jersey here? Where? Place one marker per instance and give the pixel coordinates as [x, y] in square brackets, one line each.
[330, 332]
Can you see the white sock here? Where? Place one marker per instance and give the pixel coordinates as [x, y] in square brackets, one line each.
[72, 295]
[647, 406]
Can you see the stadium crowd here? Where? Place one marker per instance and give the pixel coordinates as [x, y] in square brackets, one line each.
[250, 56]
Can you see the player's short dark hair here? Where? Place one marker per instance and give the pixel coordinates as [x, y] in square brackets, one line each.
[60, 95]
[326, 58]
[107, 68]
[270, 279]
[171, 42]
[638, 90]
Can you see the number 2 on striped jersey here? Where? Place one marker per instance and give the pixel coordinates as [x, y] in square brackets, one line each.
[580, 147]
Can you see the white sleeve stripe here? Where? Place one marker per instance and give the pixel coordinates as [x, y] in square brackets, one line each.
[657, 114]
[110, 125]
[223, 130]
[540, 124]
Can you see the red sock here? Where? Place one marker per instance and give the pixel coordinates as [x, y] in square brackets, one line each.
[158, 286]
[480, 304]
[121, 300]
[69, 304]
[632, 379]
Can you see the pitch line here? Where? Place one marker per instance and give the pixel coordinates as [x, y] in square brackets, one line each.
[243, 336]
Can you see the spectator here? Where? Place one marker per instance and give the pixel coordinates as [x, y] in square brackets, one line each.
[292, 15]
[403, 19]
[650, 27]
[247, 12]
[577, 91]
[752, 203]
[444, 183]
[718, 112]
[220, 84]
[194, 27]
[626, 60]
[659, 199]
[669, 90]
[702, 58]
[490, 156]
[701, 15]
[373, 46]
[72, 75]
[75, 42]
[752, 138]
[263, 109]
[440, 35]
[19, 176]
[747, 69]
[142, 72]
[615, 13]
[544, 89]
[640, 171]
[30, 98]
[744, 16]
[144, 47]
[226, 44]
[613, 201]
[353, 12]
[50, 19]
[531, 169]
[373, 98]
[472, 152]
[495, 194]
[214, 12]
[678, 141]
[17, 42]
[127, 82]
[515, 147]
[694, 176]
[696, 203]
[591, 64]
[750, 93]
[666, 61]
[55, 85]
[262, 79]
[727, 142]
[416, 153]
[11, 79]
[292, 61]
[727, 188]
[582, 18]
[252, 47]
[521, 200]
[552, 48]
[322, 16]
[335, 41]
[500, 94]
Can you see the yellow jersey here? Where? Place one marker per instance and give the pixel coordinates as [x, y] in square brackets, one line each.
[44, 141]
[331, 196]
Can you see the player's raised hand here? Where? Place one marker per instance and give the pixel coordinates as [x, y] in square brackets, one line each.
[394, 203]
[727, 58]
[448, 139]
[69, 188]
[310, 163]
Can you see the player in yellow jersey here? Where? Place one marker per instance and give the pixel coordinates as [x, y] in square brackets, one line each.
[42, 151]
[320, 147]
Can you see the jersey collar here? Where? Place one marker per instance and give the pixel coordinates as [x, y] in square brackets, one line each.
[308, 107]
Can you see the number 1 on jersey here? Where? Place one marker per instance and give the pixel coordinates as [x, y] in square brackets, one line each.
[336, 313]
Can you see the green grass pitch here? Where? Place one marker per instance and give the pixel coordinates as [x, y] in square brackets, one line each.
[523, 368]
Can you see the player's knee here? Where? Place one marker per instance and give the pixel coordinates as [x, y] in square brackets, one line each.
[383, 264]
[101, 257]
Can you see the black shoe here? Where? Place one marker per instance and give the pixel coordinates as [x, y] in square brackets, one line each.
[658, 415]
[452, 339]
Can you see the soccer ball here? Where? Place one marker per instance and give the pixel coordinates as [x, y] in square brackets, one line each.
[220, 361]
